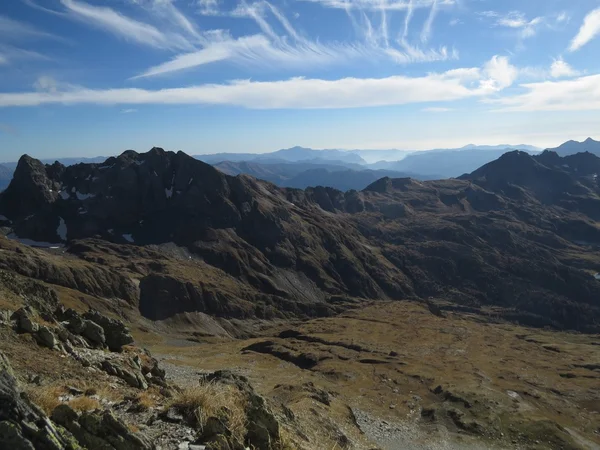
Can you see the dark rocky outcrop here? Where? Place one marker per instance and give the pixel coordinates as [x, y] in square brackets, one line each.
[23, 425]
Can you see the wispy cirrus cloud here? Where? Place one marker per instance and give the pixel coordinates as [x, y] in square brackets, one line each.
[517, 21]
[377, 5]
[124, 27]
[11, 30]
[588, 30]
[300, 93]
[437, 109]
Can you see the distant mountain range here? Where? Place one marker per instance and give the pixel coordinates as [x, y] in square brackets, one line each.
[572, 147]
[5, 176]
[301, 167]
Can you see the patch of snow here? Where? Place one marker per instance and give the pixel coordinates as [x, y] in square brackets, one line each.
[95, 178]
[566, 165]
[155, 174]
[190, 182]
[169, 192]
[105, 167]
[81, 213]
[81, 196]
[65, 195]
[32, 243]
[111, 231]
[139, 163]
[62, 229]
[595, 176]
[3, 217]
[89, 177]
[128, 238]
[513, 394]
[50, 190]
[597, 276]
[73, 189]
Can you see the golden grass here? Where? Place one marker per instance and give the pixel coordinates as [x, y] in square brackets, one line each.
[213, 400]
[84, 404]
[147, 399]
[46, 397]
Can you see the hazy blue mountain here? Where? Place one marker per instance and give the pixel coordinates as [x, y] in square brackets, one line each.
[572, 147]
[345, 180]
[294, 154]
[5, 176]
[302, 174]
[448, 163]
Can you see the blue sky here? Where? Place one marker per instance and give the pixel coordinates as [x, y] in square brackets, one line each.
[96, 77]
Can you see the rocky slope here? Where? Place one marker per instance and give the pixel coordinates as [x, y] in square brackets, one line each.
[518, 233]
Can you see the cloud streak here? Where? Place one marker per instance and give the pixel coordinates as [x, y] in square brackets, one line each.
[579, 94]
[588, 31]
[124, 27]
[297, 93]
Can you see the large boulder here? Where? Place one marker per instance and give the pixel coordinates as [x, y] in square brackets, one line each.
[46, 337]
[116, 333]
[94, 333]
[24, 318]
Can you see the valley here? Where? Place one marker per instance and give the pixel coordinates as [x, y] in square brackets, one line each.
[212, 311]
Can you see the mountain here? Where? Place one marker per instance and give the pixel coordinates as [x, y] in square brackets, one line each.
[446, 163]
[251, 249]
[305, 174]
[572, 147]
[344, 180]
[294, 154]
[5, 176]
[65, 161]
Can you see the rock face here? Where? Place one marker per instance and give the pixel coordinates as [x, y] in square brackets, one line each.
[23, 425]
[99, 430]
[116, 333]
[278, 252]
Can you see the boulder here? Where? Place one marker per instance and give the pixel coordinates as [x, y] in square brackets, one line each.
[99, 430]
[117, 334]
[93, 333]
[45, 337]
[133, 377]
[24, 318]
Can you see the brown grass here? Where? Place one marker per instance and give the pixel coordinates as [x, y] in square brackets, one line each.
[84, 404]
[147, 399]
[46, 397]
[210, 400]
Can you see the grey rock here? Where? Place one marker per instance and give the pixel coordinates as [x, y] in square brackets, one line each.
[93, 333]
[117, 334]
[23, 425]
[99, 430]
[132, 377]
[25, 323]
[45, 337]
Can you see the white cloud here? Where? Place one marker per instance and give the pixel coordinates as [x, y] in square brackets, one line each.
[426, 33]
[588, 31]
[166, 11]
[11, 29]
[563, 17]
[3, 59]
[500, 73]
[46, 83]
[208, 7]
[437, 109]
[124, 27]
[515, 20]
[562, 69]
[128, 111]
[577, 94]
[300, 93]
[377, 5]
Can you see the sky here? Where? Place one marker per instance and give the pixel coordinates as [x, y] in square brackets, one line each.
[96, 77]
